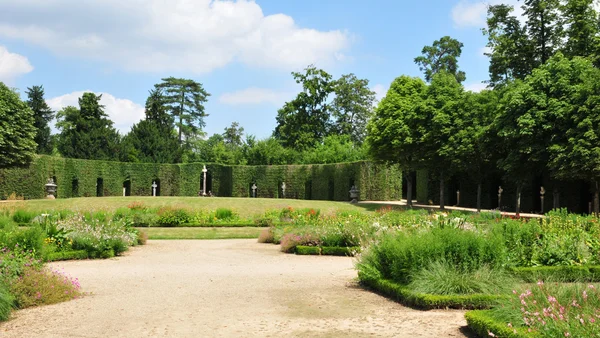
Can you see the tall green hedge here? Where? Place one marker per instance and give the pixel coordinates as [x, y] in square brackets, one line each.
[85, 178]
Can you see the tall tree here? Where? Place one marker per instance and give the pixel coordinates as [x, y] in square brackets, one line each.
[581, 23]
[42, 115]
[185, 100]
[153, 140]
[511, 53]
[444, 110]
[17, 130]
[304, 121]
[352, 106]
[543, 27]
[87, 132]
[441, 56]
[396, 132]
[233, 135]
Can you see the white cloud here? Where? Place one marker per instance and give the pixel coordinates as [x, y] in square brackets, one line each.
[475, 87]
[175, 35]
[255, 95]
[485, 50]
[124, 113]
[380, 91]
[12, 65]
[473, 13]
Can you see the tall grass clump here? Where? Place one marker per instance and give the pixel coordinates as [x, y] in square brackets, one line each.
[23, 216]
[399, 256]
[442, 278]
[223, 214]
[6, 303]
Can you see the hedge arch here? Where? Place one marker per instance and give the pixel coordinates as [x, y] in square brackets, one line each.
[318, 182]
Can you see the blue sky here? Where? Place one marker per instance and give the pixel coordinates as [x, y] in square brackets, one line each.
[241, 51]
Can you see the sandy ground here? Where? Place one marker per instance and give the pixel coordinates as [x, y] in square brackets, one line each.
[225, 288]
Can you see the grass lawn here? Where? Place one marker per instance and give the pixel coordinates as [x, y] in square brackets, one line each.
[245, 207]
[201, 233]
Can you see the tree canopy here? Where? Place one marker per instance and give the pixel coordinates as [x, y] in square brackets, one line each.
[17, 130]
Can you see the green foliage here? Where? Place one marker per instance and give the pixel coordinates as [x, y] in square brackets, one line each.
[304, 121]
[153, 140]
[441, 278]
[87, 132]
[400, 256]
[408, 297]
[23, 216]
[43, 287]
[185, 100]
[224, 214]
[352, 107]
[564, 274]
[170, 217]
[67, 255]
[17, 130]
[442, 56]
[42, 116]
[483, 322]
[6, 303]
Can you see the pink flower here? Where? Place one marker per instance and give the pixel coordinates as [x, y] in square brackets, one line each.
[491, 334]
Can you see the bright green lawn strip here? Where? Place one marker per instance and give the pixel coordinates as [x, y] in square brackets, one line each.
[406, 296]
[482, 322]
[202, 233]
[245, 207]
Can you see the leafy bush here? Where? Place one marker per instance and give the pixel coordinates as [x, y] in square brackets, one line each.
[169, 217]
[142, 219]
[29, 239]
[6, 303]
[42, 287]
[142, 238]
[290, 241]
[441, 278]
[14, 262]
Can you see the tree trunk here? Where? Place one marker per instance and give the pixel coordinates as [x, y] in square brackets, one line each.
[596, 201]
[442, 204]
[556, 196]
[409, 184]
[479, 196]
[181, 116]
[518, 211]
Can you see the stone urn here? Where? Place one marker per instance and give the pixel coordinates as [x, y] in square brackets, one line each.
[354, 193]
[50, 189]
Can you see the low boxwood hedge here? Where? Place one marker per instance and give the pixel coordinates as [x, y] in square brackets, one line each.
[484, 325]
[67, 255]
[406, 296]
[559, 273]
[326, 250]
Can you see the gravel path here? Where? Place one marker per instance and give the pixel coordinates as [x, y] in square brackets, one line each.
[224, 288]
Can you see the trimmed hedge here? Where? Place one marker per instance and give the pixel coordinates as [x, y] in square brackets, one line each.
[482, 323]
[67, 255]
[558, 273]
[87, 178]
[326, 250]
[404, 295]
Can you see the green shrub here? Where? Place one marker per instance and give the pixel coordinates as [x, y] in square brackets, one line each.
[441, 278]
[6, 303]
[66, 255]
[29, 239]
[142, 219]
[308, 250]
[7, 223]
[169, 217]
[339, 251]
[23, 216]
[406, 296]
[483, 323]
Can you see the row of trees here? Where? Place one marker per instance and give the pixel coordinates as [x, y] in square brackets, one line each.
[171, 131]
[539, 116]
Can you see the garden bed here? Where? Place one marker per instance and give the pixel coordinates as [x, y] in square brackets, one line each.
[565, 274]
